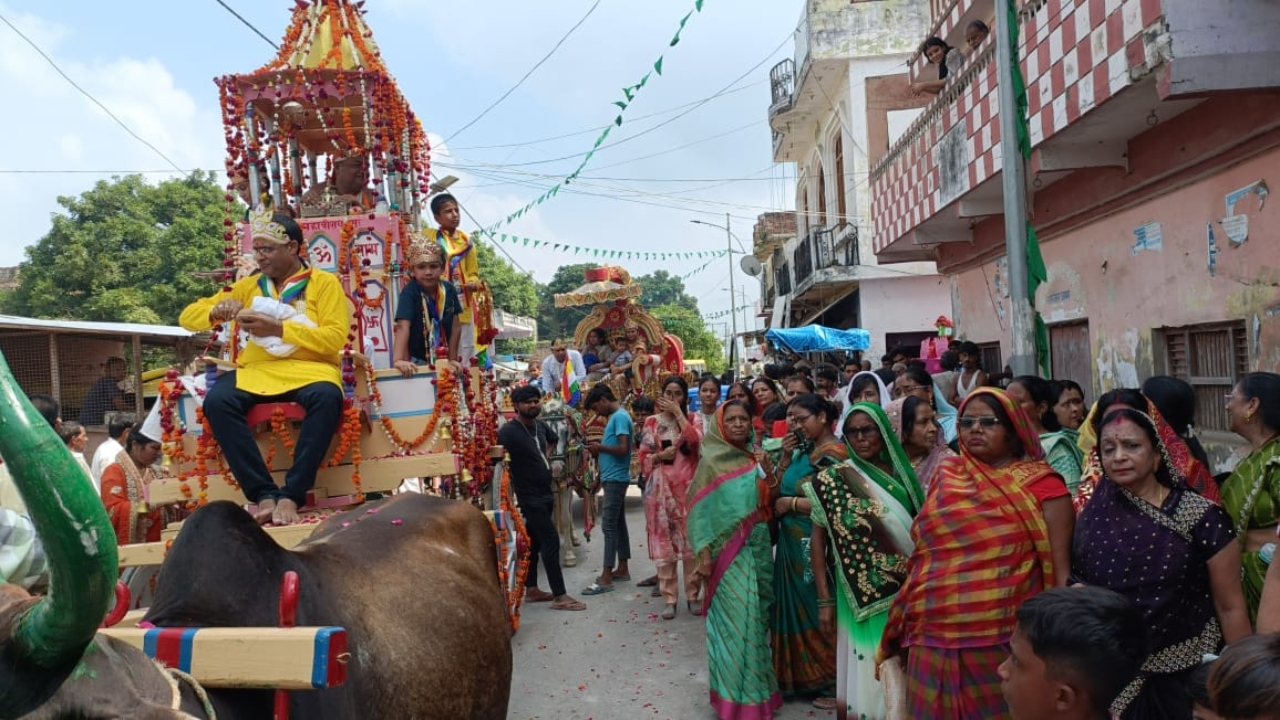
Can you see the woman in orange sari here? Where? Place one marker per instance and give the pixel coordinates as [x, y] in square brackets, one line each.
[994, 530]
[124, 492]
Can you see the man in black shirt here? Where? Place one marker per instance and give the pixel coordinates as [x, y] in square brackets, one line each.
[526, 440]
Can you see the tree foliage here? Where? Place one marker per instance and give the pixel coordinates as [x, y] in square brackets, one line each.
[513, 292]
[662, 288]
[125, 251]
[687, 325]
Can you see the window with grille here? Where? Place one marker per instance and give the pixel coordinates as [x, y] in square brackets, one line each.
[1212, 358]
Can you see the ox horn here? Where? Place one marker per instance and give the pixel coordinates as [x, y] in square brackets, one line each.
[73, 528]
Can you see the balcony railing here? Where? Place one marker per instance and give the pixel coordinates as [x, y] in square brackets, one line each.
[817, 252]
[782, 83]
[782, 279]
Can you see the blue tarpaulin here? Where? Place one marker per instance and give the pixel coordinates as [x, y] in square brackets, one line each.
[816, 338]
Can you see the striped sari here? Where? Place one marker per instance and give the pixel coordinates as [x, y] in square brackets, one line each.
[981, 549]
[728, 516]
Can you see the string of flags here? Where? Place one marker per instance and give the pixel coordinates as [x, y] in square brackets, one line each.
[700, 268]
[629, 93]
[725, 313]
[609, 254]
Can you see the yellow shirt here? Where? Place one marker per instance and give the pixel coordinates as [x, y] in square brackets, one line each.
[466, 270]
[319, 354]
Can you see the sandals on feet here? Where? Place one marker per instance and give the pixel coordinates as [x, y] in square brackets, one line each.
[669, 613]
[657, 592]
[568, 604]
[597, 589]
[826, 703]
[695, 607]
[537, 596]
[651, 581]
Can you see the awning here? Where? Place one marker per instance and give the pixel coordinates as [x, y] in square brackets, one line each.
[816, 338]
[514, 326]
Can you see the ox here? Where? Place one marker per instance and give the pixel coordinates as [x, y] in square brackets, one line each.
[414, 583]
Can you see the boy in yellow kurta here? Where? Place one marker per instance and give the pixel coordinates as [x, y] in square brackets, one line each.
[462, 268]
[291, 326]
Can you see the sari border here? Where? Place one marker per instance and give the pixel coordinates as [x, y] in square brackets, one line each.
[727, 708]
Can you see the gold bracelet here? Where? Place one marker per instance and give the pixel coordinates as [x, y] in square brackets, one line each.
[794, 498]
[826, 602]
[773, 484]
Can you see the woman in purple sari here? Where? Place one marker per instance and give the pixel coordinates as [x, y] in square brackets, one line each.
[728, 528]
[1147, 536]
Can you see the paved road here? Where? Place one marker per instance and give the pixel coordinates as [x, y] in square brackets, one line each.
[617, 659]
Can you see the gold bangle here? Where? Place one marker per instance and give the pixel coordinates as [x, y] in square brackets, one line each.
[826, 602]
[794, 498]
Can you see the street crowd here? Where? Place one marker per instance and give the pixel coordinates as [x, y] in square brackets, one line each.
[955, 545]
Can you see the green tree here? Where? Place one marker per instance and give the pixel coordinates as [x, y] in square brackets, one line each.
[125, 251]
[513, 292]
[699, 342]
[554, 322]
[662, 288]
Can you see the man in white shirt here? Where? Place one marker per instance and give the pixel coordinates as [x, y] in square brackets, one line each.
[553, 367]
[117, 432]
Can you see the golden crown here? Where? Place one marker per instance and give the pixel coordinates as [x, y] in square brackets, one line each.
[423, 249]
[262, 226]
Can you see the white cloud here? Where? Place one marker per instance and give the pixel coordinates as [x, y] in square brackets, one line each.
[59, 129]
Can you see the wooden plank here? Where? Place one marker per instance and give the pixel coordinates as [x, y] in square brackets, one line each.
[380, 475]
[141, 554]
[303, 658]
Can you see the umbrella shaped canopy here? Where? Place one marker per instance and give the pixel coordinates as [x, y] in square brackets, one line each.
[596, 293]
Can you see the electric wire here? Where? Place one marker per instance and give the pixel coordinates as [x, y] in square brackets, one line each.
[86, 93]
[536, 65]
[248, 24]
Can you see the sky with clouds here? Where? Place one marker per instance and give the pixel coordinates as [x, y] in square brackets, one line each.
[152, 63]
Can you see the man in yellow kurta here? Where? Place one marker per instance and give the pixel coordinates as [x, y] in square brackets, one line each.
[291, 325]
[462, 268]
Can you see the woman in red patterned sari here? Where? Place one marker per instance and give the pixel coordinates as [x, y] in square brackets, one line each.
[995, 529]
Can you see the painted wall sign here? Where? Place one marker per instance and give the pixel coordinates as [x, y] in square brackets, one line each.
[1058, 297]
[1149, 236]
[1237, 229]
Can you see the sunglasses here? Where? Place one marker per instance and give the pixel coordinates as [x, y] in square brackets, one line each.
[866, 431]
[986, 421]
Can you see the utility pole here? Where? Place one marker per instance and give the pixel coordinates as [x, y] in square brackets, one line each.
[1014, 178]
[733, 298]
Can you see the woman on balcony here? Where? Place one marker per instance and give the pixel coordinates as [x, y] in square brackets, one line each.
[948, 59]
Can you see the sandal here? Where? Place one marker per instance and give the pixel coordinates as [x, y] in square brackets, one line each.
[695, 607]
[569, 604]
[657, 592]
[669, 613]
[651, 581]
[826, 703]
[596, 588]
[622, 578]
[539, 596]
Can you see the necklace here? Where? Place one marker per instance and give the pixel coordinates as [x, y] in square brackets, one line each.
[536, 445]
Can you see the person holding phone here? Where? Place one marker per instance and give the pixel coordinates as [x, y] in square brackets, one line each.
[669, 457]
[804, 657]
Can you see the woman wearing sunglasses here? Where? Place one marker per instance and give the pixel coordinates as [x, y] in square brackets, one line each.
[994, 530]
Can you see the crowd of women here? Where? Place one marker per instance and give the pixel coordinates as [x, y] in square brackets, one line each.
[866, 546]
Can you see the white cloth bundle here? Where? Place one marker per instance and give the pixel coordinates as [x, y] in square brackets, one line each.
[284, 313]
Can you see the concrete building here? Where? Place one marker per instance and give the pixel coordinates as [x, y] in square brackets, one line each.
[827, 273]
[1155, 127]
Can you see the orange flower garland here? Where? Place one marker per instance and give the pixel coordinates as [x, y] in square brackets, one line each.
[520, 536]
[445, 404]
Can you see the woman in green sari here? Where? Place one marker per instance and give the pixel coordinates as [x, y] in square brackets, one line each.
[863, 509]
[1251, 495]
[1061, 451]
[803, 655]
[729, 507]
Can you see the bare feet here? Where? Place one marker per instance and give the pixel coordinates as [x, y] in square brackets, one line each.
[266, 509]
[286, 513]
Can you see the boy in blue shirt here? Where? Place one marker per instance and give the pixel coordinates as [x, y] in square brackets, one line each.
[614, 453]
[426, 314]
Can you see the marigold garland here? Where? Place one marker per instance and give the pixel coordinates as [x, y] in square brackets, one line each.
[515, 598]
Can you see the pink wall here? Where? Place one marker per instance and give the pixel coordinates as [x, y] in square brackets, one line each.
[1096, 272]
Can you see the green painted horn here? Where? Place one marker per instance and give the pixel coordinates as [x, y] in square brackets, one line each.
[73, 527]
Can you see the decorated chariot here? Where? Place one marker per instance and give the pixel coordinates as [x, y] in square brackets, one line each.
[616, 314]
[323, 133]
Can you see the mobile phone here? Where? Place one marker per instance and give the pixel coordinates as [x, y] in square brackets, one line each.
[779, 428]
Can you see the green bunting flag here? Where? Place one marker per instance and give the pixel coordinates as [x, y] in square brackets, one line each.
[629, 93]
[607, 253]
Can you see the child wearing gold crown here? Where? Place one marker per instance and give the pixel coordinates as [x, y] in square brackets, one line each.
[427, 314]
